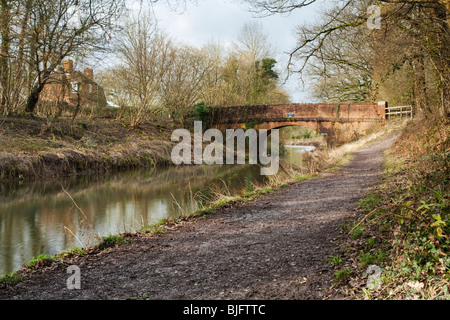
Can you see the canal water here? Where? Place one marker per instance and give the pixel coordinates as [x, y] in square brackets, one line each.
[41, 218]
[292, 154]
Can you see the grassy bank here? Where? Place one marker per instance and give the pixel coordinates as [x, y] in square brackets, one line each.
[404, 226]
[37, 147]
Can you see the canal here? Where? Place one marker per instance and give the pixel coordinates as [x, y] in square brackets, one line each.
[48, 217]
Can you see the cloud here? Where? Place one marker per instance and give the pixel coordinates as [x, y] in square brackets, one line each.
[219, 19]
[199, 24]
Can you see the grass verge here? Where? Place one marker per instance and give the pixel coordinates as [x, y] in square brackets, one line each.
[39, 262]
[404, 227]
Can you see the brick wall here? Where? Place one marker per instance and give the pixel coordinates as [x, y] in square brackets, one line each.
[303, 111]
[59, 89]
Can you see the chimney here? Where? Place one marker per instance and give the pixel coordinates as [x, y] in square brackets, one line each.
[89, 73]
[68, 66]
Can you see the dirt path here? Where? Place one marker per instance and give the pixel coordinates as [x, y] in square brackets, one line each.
[273, 248]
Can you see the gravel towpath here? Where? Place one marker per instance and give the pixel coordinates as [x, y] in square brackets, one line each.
[272, 248]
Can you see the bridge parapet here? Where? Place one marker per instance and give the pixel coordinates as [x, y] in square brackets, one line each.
[342, 112]
[341, 122]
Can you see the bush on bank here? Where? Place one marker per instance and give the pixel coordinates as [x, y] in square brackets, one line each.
[405, 221]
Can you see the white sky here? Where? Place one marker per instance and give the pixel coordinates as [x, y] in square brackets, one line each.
[222, 20]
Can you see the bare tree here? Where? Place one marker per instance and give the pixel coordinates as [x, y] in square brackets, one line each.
[252, 42]
[58, 29]
[213, 91]
[115, 83]
[425, 20]
[250, 67]
[341, 68]
[5, 21]
[180, 89]
[143, 51]
[37, 35]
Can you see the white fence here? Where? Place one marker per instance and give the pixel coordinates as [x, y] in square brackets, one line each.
[401, 111]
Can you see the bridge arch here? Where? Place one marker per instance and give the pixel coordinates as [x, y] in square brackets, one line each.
[343, 122]
[313, 125]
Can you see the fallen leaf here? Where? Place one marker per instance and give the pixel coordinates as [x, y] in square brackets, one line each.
[415, 285]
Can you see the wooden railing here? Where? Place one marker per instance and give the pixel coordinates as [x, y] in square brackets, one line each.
[401, 111]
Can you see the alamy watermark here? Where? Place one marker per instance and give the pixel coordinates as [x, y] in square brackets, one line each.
[374, 279]
[374, 17]
[235, 143]
[74, 280]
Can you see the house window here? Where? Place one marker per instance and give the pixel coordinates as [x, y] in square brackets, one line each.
[90, 87]
[75, 87]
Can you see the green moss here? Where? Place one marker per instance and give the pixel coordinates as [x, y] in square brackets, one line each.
[304, 177]
[250, 125]
[334, 260]
[40, 260]
[357, 232]
[369, 202]
[158, 230]
[343, 275]
[204, 212]
[11, 279]
[77, 251]
[155, 227]
[112, 241]
[148, 159]
[369, 258]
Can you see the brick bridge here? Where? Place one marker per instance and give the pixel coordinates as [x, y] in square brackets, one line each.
[343, 121]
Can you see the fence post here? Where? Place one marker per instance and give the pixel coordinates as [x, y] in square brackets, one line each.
[382, 108]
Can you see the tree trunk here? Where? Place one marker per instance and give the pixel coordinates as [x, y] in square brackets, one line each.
[5, 18]
[445, 97]
[443, 34]
[33, 98]
[20, 69]
[35, 92]
[420, 86]
[78, 106]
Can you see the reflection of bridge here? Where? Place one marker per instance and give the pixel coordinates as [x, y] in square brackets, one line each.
[343, 121]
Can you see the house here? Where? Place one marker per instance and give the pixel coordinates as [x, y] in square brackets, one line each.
[71, 89]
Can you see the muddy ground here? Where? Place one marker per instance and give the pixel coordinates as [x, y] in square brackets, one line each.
[272, 248]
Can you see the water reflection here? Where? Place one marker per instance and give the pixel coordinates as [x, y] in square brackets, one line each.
[292, 154]
[39, 218]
